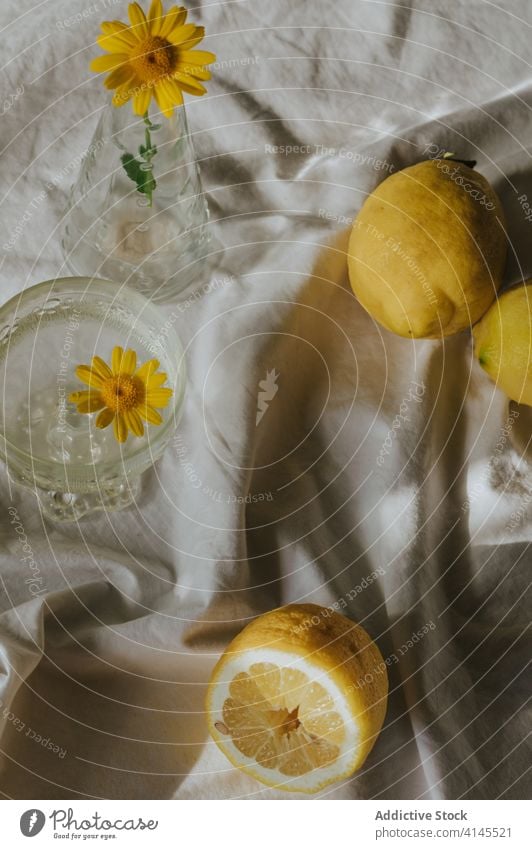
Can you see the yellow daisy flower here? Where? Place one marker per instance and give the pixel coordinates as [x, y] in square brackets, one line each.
[124, 394]
[153, 57]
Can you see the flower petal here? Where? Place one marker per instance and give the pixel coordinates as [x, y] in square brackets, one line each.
[88, 376]
[150, 415]
[101, 368]
[156, 380]
[112, 43]
[121, 76]
[119, 424]
[158, 397]
[134, 422]
[195, 71]
[181, 34]
[105, 418]
[129, 362]
[123, 94]
[122, 31]
[107, 63]
[138, 20]
[141, 101]
[175, 16]
[192, 42]
[172, 93]
[189, 84]
[92, 404]
[155, 16]
[146, 369]
[197, 57]
[116, 358]
[80, 395]
[164, 102]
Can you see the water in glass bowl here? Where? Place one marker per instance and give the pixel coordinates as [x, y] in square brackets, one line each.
[45, 441]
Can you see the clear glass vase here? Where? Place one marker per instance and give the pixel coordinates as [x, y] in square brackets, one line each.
[137, 212]
[73, 466]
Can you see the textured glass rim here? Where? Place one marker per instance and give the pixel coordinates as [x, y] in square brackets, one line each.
[139, 459]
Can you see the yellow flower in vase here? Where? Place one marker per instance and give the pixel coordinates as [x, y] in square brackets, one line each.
[122, 394]
[153, 57]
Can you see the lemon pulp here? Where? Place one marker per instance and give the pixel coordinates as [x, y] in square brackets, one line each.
[282, 719]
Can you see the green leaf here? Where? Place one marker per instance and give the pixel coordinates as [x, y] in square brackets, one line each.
[143, 178]
[132, 167]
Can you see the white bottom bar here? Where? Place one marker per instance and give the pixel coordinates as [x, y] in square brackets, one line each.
[309, 824]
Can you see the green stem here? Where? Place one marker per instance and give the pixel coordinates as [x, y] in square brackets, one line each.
[141, 170]
[149, 153]
[147, 134]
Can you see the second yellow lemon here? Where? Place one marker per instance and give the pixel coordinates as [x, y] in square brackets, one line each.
[503, 343]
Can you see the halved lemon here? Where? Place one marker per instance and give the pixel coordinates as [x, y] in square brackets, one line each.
[298, 698]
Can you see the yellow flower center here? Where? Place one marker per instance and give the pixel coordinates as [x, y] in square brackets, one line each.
[122, 392]
[154, 58]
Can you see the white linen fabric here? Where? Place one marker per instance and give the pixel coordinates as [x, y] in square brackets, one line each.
[385, 475]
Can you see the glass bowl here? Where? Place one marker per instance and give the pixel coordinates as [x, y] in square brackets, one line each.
[45, 332]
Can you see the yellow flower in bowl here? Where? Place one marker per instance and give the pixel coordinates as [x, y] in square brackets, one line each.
[122, 394]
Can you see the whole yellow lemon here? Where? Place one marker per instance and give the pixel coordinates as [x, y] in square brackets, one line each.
[427, 251]
[503, 343]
